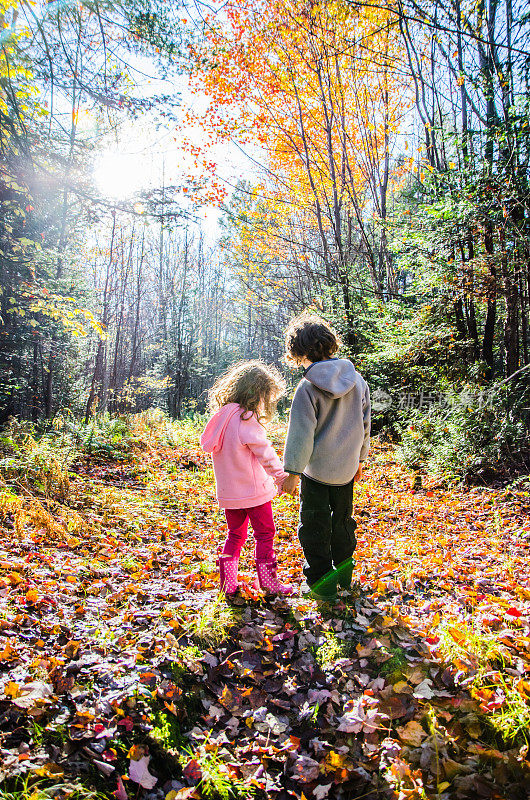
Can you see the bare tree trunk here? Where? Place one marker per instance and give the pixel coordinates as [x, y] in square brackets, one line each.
[99, 364]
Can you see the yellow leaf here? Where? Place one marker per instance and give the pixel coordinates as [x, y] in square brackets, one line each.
[456, 633]
[136, 752]
[12, 689]
[49, 770]
[8, 653]
[32, 596]
[73, 542]
[522, 686]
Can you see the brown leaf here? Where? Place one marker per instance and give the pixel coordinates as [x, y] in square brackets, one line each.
[412, 733]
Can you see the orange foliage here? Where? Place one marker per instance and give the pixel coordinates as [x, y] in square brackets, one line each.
[315, 85]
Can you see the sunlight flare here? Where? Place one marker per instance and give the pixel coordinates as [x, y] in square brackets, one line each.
[119, 175]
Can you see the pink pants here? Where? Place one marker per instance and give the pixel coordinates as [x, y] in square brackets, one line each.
[262, 523]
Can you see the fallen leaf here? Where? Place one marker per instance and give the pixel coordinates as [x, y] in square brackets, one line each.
[412, 733]
[49, 770]
[192, 771]
[305, 769]
[424, 690]
[30, 694]
[139, 773]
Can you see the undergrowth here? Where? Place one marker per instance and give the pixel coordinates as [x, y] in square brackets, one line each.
[38, 484]
[333, 649]
[40, 459]
[505, 699]
[476, 436]
[469, 641]
[394, 666]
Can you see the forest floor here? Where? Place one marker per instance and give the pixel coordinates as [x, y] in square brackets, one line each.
[123, 673]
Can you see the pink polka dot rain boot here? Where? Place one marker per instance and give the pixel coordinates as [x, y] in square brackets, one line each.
[268, 578]
[228, 566]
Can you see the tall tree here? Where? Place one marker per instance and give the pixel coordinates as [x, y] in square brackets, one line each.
[313, 84]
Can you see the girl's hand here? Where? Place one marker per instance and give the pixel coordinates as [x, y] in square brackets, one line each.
[359, 474]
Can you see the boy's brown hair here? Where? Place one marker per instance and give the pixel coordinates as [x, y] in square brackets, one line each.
[308, 336]
[255, 386]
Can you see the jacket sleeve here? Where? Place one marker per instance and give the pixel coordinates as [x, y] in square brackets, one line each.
[252, 434]
[367, 411]
[301, 432]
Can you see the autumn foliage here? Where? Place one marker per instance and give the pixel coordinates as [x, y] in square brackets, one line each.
[315, 85]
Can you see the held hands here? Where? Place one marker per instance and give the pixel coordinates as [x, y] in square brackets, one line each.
[291, 484]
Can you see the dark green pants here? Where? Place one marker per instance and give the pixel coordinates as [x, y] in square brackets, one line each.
[326, 532]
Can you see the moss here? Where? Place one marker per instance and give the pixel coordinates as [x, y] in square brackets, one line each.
[167, 730]
[393, 668]
[169, 727]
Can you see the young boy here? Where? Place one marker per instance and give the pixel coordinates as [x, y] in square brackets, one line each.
[327, 441]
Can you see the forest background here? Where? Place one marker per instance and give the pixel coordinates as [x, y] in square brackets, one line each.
[381, 178]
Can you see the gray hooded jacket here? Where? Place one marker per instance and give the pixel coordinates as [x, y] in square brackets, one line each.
[329, 423]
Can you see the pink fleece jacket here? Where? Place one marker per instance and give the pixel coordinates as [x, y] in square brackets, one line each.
[247, 470]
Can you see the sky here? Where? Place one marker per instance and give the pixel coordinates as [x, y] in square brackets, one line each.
[141, 155]
[135, 155]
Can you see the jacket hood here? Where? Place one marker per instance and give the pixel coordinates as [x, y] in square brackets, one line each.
[335, 377]
[214, 432]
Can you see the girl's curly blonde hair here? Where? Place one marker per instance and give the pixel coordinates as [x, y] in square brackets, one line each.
[255, 386]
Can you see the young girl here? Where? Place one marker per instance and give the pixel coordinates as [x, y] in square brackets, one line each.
[248, 473]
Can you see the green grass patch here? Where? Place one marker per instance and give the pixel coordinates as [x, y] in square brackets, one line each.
[30, 789]
[211, 625]
[332, 650]
[512, 720]
[470, 642]
[217, 782]
[167, 730]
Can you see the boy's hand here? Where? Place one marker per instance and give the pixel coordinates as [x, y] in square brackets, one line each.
[291, 484]
[359, 474]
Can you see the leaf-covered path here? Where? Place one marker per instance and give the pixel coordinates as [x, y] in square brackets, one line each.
[121, 670]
